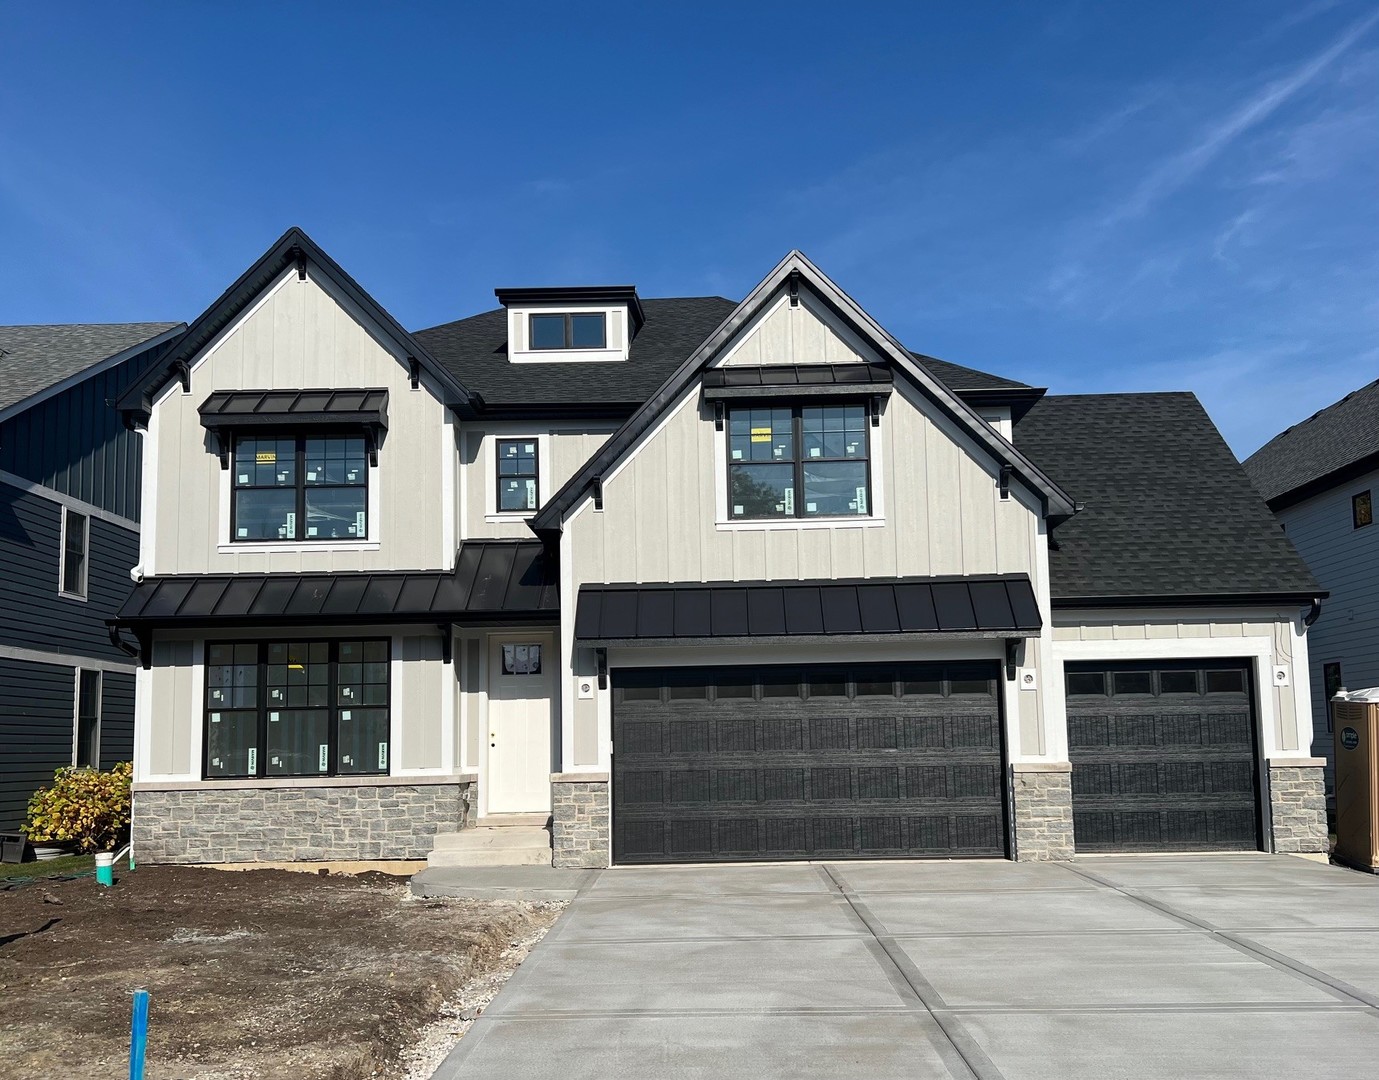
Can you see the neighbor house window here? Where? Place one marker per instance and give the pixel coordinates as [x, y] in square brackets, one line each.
[798, 461]
[569, 331]
[76, 532]
[1362, 509]
[296, 708]
[518, 474]
[300, 489]
[86, 745]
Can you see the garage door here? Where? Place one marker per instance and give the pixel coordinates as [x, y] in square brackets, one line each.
[1163, 757]
[830, 762]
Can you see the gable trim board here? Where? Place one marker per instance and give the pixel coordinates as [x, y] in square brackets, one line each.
[792, 271]
[293, 248]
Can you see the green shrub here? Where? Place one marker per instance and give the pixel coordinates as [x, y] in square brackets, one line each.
[85, 806]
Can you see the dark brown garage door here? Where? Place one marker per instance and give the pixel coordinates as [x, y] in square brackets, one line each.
[1163, 756]
[737, 763]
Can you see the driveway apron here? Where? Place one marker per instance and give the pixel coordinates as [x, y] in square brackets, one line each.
[1226, 966]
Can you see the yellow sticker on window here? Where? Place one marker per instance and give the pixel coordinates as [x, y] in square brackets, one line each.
[266, 457]
[761, 434]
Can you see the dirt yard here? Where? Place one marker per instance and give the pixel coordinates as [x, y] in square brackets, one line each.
[261, 974]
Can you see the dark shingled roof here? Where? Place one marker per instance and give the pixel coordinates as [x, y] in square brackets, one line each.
[474, 350]
[33, 358]
[1341, 435]
[1168, 511]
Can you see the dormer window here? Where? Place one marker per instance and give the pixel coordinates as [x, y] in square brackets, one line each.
[569, 330]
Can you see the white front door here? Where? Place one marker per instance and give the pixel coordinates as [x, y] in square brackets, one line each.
[520, 684]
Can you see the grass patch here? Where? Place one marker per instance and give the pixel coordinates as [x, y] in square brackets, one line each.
[67, 864]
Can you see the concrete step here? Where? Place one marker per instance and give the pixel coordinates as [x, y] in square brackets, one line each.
[491, 857]
[493, 839]
[502, 821]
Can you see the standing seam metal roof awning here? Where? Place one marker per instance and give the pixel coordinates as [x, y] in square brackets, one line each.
[231, 409]
[493, 581]
[1001, 606]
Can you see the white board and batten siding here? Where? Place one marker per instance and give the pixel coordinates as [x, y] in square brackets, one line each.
[1345, 561]
[936, 510]
[299, 336]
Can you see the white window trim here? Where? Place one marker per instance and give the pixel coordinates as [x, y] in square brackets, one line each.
[227, 545]
[518, 317]
[67, 511]
[76, 712]
[488, 461]
[876, 474]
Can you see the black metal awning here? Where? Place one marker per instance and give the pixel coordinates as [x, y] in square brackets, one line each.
[494, 581]
[235, 410]
[798, 380]
[1001, 606]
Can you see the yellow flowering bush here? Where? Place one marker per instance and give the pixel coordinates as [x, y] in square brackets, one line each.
[86, 806]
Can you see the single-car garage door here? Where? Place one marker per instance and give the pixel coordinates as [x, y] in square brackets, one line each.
[1163, 756]
[733, 763]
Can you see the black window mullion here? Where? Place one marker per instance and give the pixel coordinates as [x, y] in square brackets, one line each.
[333, 721]
[797, 442]
[299, 532]
[262, 692]
[569, 331]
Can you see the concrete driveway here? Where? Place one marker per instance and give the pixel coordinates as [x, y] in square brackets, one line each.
[1207, 966]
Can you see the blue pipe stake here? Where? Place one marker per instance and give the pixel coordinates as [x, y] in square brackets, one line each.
[138, 1035]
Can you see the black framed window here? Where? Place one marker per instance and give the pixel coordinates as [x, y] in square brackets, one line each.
[519, 478]
[296, 708]
[568, 330]
[798, 461]
[305, 488]
[1362, 509]
[86, 751]
[76, 532]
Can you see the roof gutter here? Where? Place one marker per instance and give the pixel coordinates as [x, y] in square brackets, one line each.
[1312, 599]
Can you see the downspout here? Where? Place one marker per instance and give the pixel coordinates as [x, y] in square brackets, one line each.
[1314, 612]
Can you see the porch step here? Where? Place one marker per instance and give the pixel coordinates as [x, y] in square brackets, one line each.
[508, 844]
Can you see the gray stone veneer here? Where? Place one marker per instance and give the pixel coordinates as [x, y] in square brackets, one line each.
[1297, 806]
[1042, 795]
[212, 824]
[580, 820]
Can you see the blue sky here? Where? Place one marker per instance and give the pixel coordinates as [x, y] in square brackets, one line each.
[1086, 196]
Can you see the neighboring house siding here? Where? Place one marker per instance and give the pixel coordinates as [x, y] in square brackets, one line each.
[299, 336]
[36, 617]
[77, 444]
[1345, 561]
[36, 717]
[564, 450]
[117, 718]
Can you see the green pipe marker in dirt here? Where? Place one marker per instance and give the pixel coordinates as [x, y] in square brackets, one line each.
[105, 868]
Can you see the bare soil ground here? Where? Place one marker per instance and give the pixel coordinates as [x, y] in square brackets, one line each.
[261, 974]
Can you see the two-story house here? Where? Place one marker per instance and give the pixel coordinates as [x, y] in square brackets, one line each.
[1320, 477]
[69, 533]
[694, 580]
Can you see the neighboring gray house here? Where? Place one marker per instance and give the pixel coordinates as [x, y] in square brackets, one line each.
[689, 579]
[1320, 477]
[69, 534]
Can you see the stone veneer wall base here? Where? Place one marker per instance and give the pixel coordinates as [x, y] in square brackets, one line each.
[206, 824]
[1297, 806]
[1042, 798]
[581, 820]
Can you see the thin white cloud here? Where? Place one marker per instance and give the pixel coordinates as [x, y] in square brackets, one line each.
[1178, 170]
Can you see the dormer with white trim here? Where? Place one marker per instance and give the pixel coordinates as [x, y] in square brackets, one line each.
[593, 323]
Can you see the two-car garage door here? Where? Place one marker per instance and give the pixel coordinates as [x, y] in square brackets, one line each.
[737, 763]
[1163, 756]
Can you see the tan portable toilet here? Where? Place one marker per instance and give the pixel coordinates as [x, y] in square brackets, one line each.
[1355, 722]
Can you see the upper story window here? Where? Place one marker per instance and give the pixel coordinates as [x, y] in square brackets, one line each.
[76, 533]
[299, 489]
[1362, 509]
[569, 331]
[800, 461]
[518, 475]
